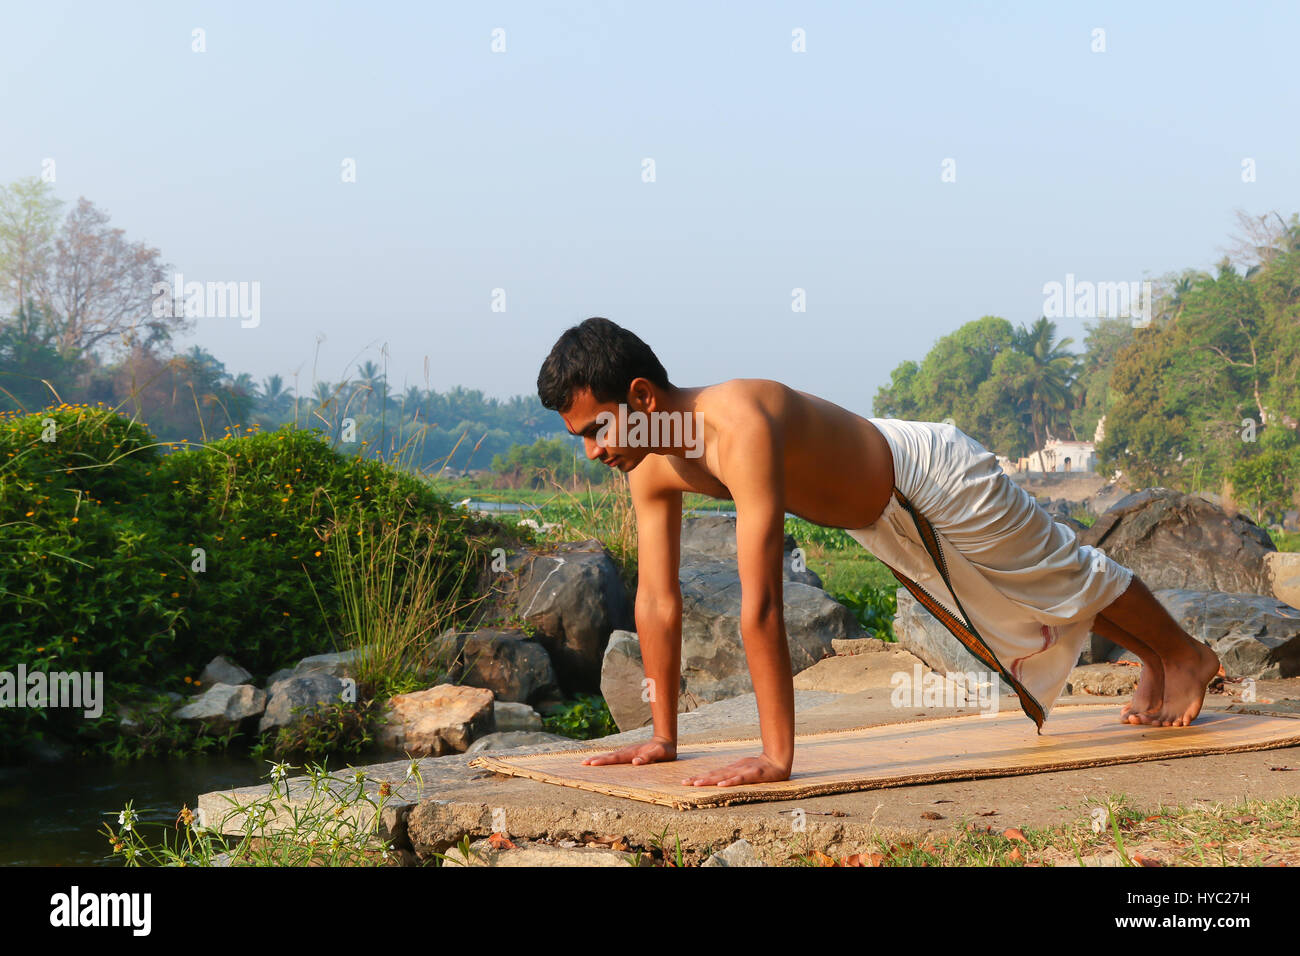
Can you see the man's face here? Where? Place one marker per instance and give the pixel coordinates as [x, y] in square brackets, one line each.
[582, 420]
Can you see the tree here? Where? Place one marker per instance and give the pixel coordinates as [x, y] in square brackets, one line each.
[1048, 392]
[28, 220]
[99, 286]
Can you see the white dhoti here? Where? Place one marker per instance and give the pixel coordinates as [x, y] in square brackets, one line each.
[1024, 582]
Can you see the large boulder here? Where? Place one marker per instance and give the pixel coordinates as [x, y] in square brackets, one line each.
[1174, 540]
[340, 664]
[713, 653]
[440, 720]
[920, 633]
[1254, 635]
[504, 660]
[291, 698]
[571, 596]
[714, 537]
[224, 706]
[621, 678]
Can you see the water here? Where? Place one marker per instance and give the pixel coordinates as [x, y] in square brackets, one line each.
[51, 814]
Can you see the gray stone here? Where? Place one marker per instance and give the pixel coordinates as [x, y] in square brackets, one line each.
[713, 655]
[1213, 616]
[714, 537]
[223, 706]
[505, 661]
[338, 664]
[1173, 540]
[512, 716]
[740, 853]
[303, 693]
[621, 677]
[509, 740]
[921, 634]
[571, 596]
[220, 670]
[1245, 655]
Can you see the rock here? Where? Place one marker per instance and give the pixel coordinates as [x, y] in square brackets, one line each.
[858, 645]
[222, 671]
[338, 664]
[1291, 521]
[1282, 569]
[1103, 680]
[223, 706]
[511, 716]
[1173, 540]
[740, 853]
[572, 597]
[713, 655]
[1244, 655]
[510, 739]
[714, 536]
[1220, 619]
[535, 854]
[505, 661]
[919, 633]
[1100, 502]
[440, 720]
[304, 693]
[621, 676]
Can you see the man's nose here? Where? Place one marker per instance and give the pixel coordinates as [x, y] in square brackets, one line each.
[594, 450]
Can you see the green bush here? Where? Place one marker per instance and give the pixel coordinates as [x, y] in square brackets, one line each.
[100, 537]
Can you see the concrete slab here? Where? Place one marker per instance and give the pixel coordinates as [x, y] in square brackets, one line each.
[457, 801]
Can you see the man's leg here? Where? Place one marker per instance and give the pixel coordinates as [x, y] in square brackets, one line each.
[1150, 688]
[1173, 697]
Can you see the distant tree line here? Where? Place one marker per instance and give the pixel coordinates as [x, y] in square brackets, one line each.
[77, 324]
[1203, 396]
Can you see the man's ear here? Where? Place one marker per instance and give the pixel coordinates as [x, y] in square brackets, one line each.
[641, 395]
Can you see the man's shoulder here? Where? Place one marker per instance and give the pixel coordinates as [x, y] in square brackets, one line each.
[738, 397]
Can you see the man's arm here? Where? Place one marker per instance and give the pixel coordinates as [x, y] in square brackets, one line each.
[658, 611]
[751, 459]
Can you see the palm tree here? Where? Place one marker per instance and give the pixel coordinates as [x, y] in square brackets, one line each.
[370, 377]
[323, 393]
[274, 396]
[1049, 390]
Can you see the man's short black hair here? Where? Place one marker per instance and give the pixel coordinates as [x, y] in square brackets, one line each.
[598, 355]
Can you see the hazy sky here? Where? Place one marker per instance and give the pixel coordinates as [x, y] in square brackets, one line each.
[774, 170]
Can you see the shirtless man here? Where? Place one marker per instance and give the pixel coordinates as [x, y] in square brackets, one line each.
[772, 449]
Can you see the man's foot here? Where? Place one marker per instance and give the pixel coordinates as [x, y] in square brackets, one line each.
[1186, 677]
[1146, 696]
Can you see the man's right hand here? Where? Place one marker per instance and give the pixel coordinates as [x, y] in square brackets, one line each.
[657, 750]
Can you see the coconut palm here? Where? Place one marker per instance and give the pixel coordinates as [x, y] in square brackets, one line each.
[1049, 389]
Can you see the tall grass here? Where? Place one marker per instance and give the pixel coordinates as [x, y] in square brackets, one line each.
[399, 588]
